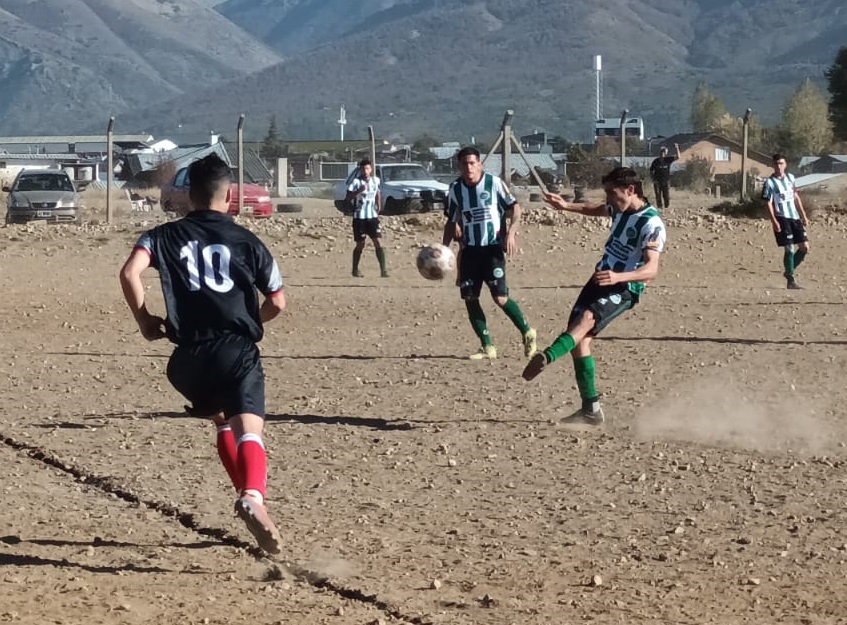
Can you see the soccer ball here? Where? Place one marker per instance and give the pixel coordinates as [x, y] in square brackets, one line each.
[435, 261]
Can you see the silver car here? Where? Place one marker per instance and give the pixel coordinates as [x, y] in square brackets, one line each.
[38, 194]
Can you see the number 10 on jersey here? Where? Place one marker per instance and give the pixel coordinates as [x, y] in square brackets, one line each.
[214, 260]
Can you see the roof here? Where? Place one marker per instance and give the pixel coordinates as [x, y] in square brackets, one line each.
[6, 156]
[808, 160]
[813, 179]
[444, 151]
[493, 164]
[44, 140]
[183, 156]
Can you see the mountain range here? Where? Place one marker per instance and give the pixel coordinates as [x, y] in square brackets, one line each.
[407, 67]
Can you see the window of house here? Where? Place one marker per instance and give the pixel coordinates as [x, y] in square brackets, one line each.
[722, 155]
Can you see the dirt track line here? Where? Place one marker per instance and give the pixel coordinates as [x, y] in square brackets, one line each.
[187, 520]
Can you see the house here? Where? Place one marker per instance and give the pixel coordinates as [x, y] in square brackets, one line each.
[724, 154]
[827, 164]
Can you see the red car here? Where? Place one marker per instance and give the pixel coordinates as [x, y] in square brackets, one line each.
[174, 198]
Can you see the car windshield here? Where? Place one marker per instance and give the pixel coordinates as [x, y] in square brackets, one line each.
[44, 182]
[405, 172]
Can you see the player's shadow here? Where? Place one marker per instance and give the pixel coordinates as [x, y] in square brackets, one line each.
[373, 423]
[363, 357]
[99, 542]
[13, 559]
[721, 340]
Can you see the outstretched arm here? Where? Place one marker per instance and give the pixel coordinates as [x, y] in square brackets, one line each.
[583, 208]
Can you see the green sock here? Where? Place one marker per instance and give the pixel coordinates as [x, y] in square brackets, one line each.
[788, 262]
[584, 369]
[561, 346]
[357, 255]
[513, 312]
[477, 318]
[380, 256]
[798, 258]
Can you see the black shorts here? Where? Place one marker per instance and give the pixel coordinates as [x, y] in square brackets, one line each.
[366, 228]
[606, 302]
[221, 375]
[478, 265]
[791, 232]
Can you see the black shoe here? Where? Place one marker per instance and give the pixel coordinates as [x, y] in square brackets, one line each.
[792, 284]
[357, 274]
[384, 274]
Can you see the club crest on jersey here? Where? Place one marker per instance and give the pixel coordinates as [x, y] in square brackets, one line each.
[631, 233]
[485, 196]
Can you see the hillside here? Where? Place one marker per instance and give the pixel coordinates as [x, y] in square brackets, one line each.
[404, 66]
[420, 66]
[64, 63]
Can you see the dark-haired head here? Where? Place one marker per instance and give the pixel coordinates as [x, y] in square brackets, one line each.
[466, 151]
[365, 161]
[623, 177]
[210, 179]
[778, 157]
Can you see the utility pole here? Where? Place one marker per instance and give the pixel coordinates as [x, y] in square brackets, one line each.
[746, 127]
[240, 133]
[506, 132]
[109, 168]
[623, 137]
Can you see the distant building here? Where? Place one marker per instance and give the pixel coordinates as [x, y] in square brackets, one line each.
[724, 154]
[827, 164]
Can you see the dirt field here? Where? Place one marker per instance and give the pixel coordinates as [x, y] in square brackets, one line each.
[412, 485]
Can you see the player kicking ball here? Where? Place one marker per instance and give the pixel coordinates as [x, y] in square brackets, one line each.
[211, 269]
[630, 260]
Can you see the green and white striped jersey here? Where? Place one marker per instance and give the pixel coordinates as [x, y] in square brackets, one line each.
[780, 191]
[481, 210]
[366, 207]
[632, 234]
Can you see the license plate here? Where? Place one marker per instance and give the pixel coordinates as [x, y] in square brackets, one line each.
[248, 210]
[43, 213]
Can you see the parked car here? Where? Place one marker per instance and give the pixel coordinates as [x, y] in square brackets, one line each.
[174, 197]
[38, 194]
[405, 188]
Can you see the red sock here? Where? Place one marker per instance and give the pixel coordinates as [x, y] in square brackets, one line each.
[252, 463]
[228, 454]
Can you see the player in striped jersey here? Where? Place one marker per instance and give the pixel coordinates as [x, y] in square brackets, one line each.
[788, 218]
[630, 259]
[476, 215]
[364, 191]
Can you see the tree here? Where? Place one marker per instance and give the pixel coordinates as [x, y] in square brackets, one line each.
[272, 147]
[805, 127]
[837, 77]
[706, 109]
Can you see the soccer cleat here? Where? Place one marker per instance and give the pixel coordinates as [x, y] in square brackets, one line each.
[586, 416]
[257, 520]
[535, 366]
[529, 344]
[357, 274]
[384, 274]
[486, 352]
[792, 284]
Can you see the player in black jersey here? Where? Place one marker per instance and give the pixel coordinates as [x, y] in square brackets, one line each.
[212, 271]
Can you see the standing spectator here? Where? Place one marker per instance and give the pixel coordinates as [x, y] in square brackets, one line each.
[476, 209]
[788, 218]
[364, 192]
[212, 271]
[660, 172]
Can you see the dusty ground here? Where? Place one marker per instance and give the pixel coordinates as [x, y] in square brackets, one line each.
[412, 485]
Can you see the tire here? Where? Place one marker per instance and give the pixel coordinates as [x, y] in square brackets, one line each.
[392, 207]
[289, 208]
[345, 207]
